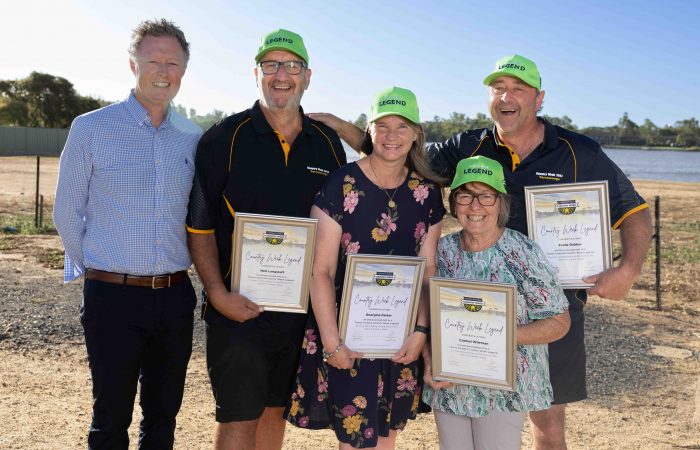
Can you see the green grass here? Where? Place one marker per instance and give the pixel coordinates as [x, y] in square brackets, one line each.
[686, 251]
[51, 258]
[24, 224]
[682, 252]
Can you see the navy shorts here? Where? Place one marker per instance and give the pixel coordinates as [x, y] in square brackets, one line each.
[567, 363]
[250, 370]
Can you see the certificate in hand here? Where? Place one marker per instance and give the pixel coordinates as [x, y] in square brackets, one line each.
[473, 332]
[272, 260]
[379, 303]
[571, 223]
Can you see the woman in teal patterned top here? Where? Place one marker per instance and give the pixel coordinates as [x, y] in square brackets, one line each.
[471, 417]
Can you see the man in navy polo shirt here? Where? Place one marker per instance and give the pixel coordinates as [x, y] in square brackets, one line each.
[269, 159]
[532, 151]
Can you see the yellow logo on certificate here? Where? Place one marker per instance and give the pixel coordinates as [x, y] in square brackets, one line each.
[566, 207]
[473, 304]
[274, 237]
[384, 278]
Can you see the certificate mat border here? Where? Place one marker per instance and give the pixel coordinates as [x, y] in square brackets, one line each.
[390, 260]
[241, 219]
[601, 188]
[506, 384]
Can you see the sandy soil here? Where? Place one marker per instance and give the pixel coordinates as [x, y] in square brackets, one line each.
[643, 363]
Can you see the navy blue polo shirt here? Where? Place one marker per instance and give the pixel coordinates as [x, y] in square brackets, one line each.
[563, 157]
[243, 165]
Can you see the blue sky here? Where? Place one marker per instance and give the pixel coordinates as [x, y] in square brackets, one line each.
[598, 59]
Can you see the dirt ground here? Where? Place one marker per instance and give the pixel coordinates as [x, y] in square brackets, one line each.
[644, 387]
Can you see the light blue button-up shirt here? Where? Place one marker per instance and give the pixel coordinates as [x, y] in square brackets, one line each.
[123, 189]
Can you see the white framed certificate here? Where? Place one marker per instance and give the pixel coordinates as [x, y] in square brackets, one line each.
[571, 223]
[379, 303]
[473, 332]
[272, 260]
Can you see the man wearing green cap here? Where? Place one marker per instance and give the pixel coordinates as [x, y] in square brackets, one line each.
[269, 159]
[532, 151]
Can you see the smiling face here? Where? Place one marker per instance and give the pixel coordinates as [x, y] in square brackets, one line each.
[281, 91]
[479, 223]
[392, 138]
[513, 104]
[159, 65]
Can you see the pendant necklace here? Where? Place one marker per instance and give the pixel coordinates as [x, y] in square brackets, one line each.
[391, 203]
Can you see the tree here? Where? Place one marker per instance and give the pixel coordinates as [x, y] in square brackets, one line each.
[206, 121]
[650, 133]
[628, 132]
[42, 100]
[361, 122]
[688, 133]
[564, 122]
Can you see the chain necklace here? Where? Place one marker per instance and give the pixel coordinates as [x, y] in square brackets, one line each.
[391, 203]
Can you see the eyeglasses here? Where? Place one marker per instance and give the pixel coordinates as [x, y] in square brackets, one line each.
[291, 67]
[466, 198]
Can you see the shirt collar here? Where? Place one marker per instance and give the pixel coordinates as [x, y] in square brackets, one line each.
[261, 125]
[139, 113]
[551, 136]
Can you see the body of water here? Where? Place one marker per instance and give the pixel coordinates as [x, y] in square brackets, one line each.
[667, 165]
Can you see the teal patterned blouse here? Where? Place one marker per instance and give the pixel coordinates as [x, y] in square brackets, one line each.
[513, 259]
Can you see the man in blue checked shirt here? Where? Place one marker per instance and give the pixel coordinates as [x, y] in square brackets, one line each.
[121, 201]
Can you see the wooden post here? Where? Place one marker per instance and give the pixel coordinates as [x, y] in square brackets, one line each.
[41, 210]
[36, 194]
[657, 246]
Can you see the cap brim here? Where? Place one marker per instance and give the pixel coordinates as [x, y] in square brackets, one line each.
[390, 113]
[489, 79]
[501, 189]
[269, 49]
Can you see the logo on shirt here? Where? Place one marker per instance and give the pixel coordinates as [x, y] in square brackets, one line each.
[317, 170]
[551, 176]
[384, 278]
[473, 304]
[274, 237]
[566, 207]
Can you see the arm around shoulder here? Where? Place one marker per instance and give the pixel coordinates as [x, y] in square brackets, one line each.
[346, 130]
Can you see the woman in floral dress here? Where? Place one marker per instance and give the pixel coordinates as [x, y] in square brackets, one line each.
[388, 203]
[471, 417]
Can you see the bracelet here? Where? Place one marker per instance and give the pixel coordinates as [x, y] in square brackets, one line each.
[329, 355]
[422, 329]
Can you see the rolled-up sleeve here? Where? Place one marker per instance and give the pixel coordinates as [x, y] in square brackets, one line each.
[72, 196]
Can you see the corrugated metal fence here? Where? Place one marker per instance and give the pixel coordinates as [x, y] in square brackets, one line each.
[25, 141]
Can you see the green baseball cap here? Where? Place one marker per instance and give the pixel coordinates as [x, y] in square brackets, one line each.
[479, 169]
[516, 66]
[282, 40]
[394, 101]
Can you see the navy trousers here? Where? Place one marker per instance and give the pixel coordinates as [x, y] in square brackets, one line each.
[136, 335]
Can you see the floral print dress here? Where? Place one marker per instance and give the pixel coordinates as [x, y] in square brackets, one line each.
[376, 395]
[517, 260]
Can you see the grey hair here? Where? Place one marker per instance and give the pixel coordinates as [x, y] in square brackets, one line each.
[157, 28]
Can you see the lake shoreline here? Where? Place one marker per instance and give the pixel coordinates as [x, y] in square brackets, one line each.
[649, 147]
